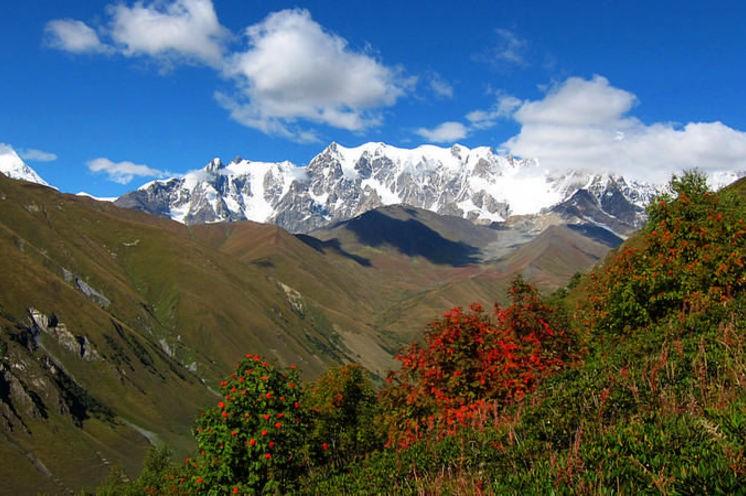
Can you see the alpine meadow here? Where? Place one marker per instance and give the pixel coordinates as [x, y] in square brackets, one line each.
[494, 248]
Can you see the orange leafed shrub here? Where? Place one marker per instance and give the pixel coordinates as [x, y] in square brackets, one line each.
[470, 364]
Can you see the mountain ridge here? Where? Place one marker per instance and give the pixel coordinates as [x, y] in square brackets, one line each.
[340, 183]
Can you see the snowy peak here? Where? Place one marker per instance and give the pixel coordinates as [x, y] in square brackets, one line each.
[14, 167]
[214, 166]
[339, 183]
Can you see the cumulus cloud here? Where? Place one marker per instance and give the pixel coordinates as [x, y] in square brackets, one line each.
[34, 155]
[291, 71]
[586, 123]
[447, 132]
[294, 69]
[73, 36]
[450, 131]
[186, 29]
[123, 172]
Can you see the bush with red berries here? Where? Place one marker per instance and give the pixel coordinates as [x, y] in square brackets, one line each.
[252, 440]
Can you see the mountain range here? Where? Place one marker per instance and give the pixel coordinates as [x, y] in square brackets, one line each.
[340, 183]
[477, 184]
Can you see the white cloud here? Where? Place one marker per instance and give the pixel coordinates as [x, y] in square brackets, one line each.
[503, 108]
[292, 71]
[439, 86]
[73, 36]
[447, 132]
[295, 70]
[578, 102]
[187, 29]
[586, 123]
[123, 172]
[35, 155]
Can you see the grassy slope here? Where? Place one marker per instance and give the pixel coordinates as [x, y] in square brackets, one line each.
[208, 308]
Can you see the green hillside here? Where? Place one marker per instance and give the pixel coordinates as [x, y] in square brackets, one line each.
[163, 318]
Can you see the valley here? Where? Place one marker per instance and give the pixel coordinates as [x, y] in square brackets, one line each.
[116, 324]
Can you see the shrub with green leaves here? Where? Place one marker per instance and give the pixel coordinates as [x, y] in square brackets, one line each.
[160, 476]
[691, 254]
[342, 404]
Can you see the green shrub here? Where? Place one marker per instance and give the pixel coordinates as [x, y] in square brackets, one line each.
[691, 254]
[342, 405]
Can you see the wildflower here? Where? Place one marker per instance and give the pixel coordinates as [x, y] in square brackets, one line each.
[221, 405]
[325, 446]
[278, 425]
[267, 456]
[252, 442]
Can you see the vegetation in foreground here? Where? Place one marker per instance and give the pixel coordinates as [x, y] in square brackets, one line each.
[629, 382]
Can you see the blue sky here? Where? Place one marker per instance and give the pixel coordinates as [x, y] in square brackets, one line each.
[121, 91]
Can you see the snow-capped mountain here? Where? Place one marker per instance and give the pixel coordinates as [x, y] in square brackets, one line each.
[13, 166]
[340, 183]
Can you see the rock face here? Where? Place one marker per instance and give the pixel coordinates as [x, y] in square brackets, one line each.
[79, 345]
[340, 183]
